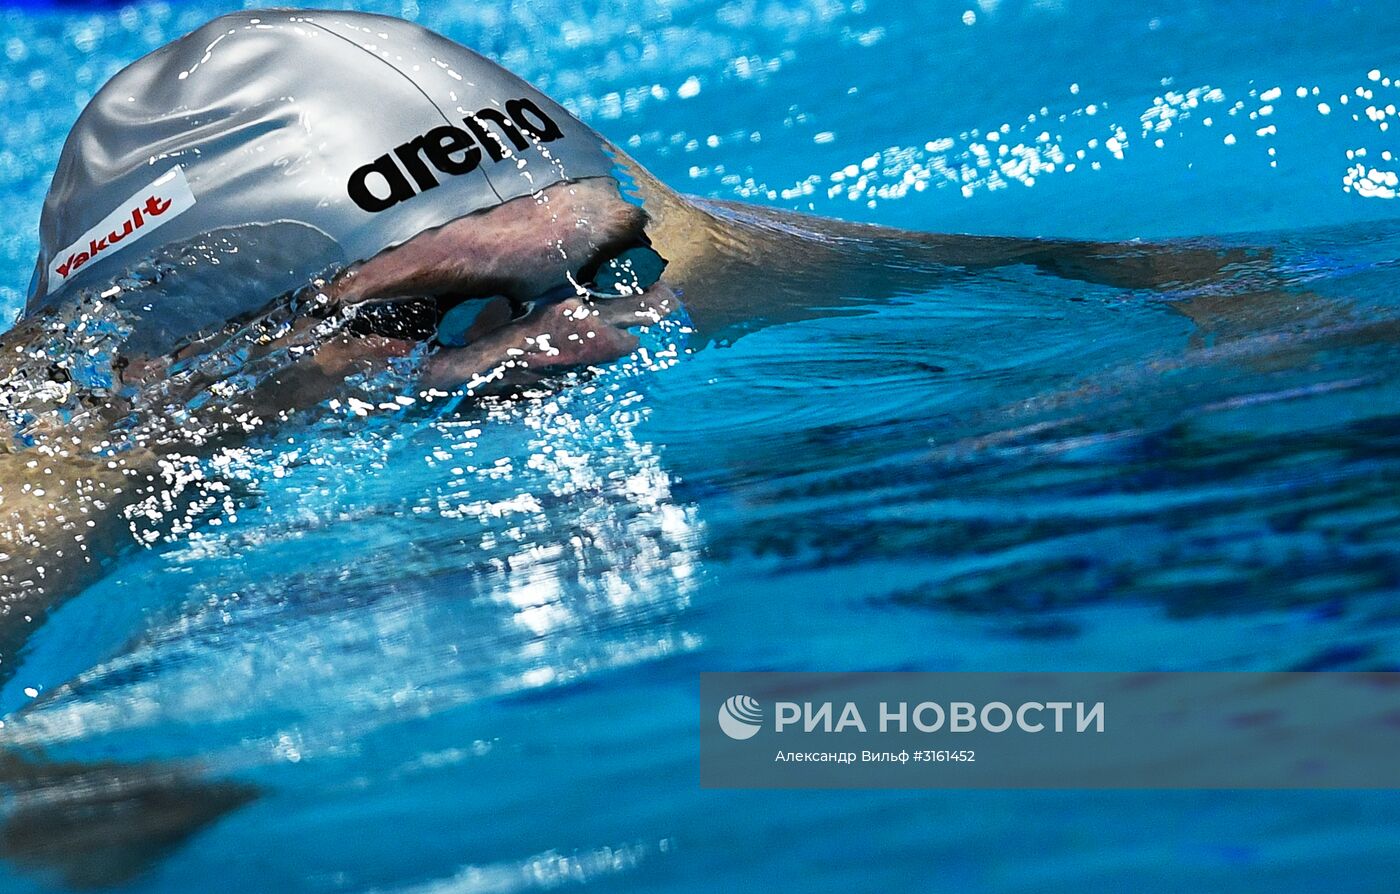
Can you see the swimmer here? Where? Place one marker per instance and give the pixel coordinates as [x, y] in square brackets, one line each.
[320, 195]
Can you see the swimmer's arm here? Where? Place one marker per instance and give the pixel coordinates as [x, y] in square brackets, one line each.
[769, 266]
[60, 519]
[1163, 264]
[1172, 264]
[58, 512]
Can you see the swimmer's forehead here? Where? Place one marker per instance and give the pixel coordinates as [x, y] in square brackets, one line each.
[364, 129]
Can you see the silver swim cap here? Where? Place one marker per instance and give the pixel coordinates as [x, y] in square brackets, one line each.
[289, 143]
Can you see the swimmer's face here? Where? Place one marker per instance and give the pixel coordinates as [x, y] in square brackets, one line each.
[504, 297]
[541, 283]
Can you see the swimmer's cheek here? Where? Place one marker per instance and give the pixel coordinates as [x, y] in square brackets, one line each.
[523, 353]
[564, 335]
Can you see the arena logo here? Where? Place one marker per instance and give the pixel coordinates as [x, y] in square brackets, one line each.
[412, 167]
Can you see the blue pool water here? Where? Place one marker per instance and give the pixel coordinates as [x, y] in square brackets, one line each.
[459, 652]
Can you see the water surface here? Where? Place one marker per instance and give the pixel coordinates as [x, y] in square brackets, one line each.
[458, 650]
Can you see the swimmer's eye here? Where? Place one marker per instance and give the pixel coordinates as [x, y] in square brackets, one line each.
[630, 272]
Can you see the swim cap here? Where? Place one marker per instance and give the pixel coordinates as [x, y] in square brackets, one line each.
[287, 143]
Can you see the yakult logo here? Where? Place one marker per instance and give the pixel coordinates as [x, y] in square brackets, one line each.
[161, 202]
